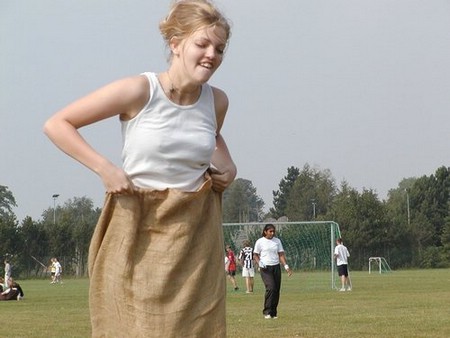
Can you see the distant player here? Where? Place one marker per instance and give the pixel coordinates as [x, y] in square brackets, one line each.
[52, 270]
[231, 267]
[248, 269]
[341, 255]
[7, 272]
[58, 271]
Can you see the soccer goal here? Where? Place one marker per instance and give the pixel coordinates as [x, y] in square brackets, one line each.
[309, 247]
[383, 265]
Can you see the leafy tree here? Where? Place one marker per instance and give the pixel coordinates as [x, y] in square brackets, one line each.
[241, 203]
[398, 201]
[363, 222]
[311, 195]
[344, 209]
[70, 235]
[8, 235]
[7, 202]
[8, 224]
[445, 239]
[430, 198]
[422, 233]
[281, 196]
[402, 249]
[35, 245]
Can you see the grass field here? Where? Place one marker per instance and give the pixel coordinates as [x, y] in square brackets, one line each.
[399, 304]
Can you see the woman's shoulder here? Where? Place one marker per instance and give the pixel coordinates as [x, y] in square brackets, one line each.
[220, 98]
[220, 105]
[135, 92]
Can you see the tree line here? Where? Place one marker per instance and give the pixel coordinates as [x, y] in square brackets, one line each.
[64, 232]
[411, 228]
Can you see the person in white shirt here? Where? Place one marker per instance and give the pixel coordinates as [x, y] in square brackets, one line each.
[268, 254]
[7, 272]
[165, 199]
[341, 255]
[58, 271]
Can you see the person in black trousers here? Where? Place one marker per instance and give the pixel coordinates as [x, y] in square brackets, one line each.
[268, 254]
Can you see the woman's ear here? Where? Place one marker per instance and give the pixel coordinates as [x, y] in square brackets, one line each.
[175, 45]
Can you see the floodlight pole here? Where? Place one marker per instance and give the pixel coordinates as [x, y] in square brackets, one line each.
[313, 201]
[54, 196]
[407, 207]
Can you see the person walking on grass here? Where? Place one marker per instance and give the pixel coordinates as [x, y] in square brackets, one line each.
[268, 254]
[341, 255]
[248, 270]
[58, 271]
[160, 234]
[231, 267]
[52, 270]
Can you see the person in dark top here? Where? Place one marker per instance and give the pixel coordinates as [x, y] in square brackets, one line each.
[13, 292]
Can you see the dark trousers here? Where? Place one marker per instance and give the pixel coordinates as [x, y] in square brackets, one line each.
[271, 277]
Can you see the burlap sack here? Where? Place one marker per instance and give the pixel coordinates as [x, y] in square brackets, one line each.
[156, 265]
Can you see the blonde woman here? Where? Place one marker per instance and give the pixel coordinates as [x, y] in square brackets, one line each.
[164, 203]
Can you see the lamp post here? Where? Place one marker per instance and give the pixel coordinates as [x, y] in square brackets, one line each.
[313, 201]
[54, 196]
[407, 207]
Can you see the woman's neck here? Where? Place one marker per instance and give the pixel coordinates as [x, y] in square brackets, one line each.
[176, 91]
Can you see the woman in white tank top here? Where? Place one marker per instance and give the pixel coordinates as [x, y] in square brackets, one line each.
[164, 203]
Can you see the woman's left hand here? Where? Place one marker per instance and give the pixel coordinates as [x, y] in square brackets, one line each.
[221, 181]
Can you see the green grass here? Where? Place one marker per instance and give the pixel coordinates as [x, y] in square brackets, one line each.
[412, 303]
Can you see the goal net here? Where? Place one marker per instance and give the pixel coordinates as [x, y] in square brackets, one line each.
[380, 263]
[309, 247]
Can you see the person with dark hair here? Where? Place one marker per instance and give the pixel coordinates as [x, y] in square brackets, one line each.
[164, 203]
[231, 267]
[13, 291]
[268, 254]
[248, 270]
[341, 255]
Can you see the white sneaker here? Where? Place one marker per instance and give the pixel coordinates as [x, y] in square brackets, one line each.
[342, 289]
[349, 289]
[267, 316]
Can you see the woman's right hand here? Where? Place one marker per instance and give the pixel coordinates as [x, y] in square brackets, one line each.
[116, 181]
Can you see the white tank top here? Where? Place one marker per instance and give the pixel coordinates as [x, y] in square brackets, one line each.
[167, 145]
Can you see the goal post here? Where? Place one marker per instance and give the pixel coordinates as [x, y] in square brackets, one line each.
[309, 246]
[383, 265]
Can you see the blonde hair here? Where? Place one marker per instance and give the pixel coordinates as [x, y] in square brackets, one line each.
[187, 16]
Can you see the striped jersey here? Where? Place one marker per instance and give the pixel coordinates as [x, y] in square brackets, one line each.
[246, 257]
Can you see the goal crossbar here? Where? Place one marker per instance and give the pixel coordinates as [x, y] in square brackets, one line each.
[383, 265]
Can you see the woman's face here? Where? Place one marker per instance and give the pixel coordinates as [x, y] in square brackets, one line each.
[269, 233]
[201, 53]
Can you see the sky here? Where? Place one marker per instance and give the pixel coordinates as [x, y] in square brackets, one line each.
[358, 87]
